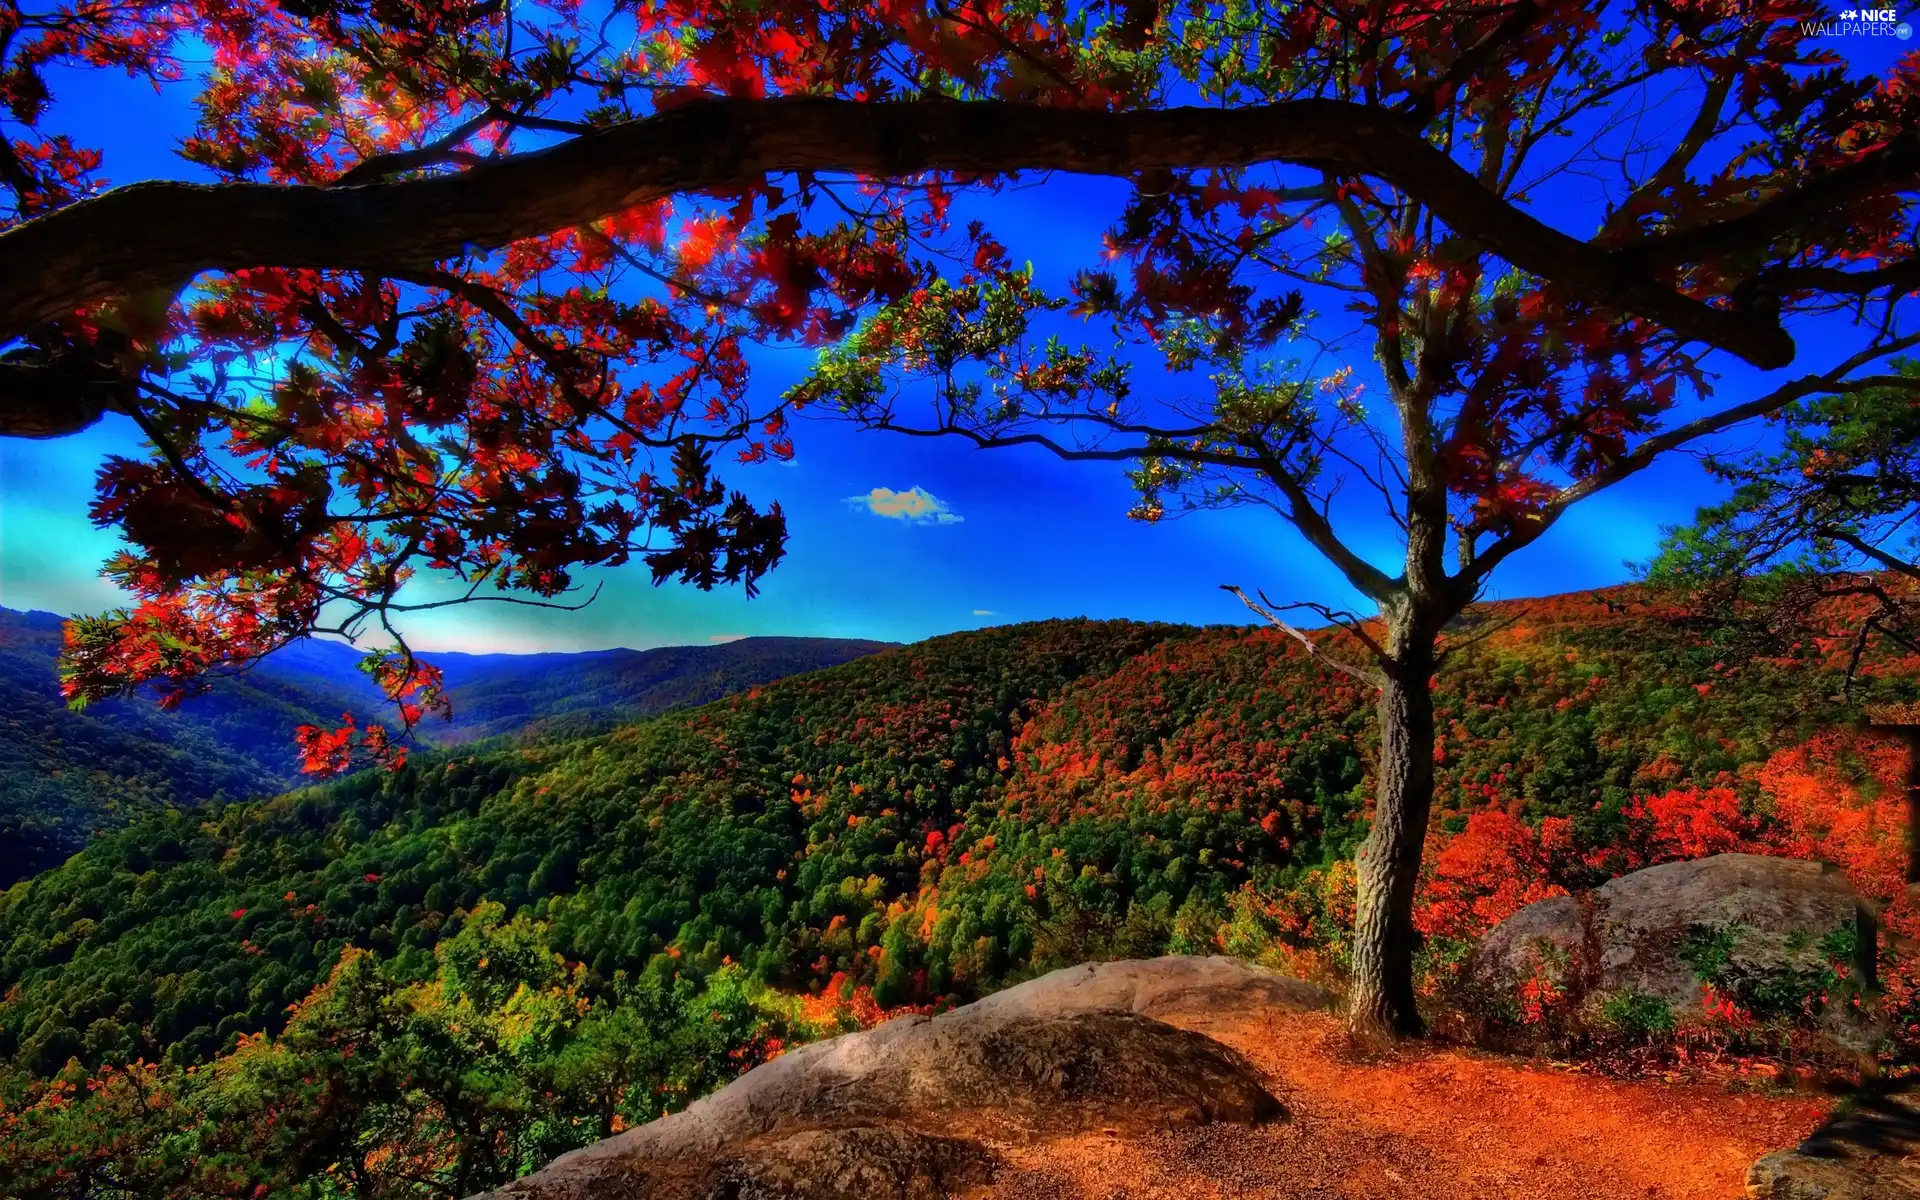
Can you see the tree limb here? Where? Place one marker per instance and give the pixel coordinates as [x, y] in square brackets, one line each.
[1644, 454]
[1891, 563]
[1898, 278]
[440, 150]
[158, 234]
[1516, 23]
[1317, 528]
[1893, 167]
[1371, 678]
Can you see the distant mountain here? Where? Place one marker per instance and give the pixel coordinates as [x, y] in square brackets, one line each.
[65, 776]
[553, 695]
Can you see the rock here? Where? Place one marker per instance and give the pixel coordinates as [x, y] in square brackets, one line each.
[903, 1110]
[1177, 985]
[1865, 1154]
[1763, 928]
[1791, 1175]
[871, 1162]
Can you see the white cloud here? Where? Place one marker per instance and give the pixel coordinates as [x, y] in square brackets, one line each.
[726, 637]
[915, 504]
[983, 612]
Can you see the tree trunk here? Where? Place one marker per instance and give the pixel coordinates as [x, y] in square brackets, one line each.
[1381, 998]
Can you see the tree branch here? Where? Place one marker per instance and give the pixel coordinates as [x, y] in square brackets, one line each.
[1523, 17]
[1643, 455]
[1315, 526]
[440, 150]
[1371, 678]
[1891, 168]
[161, 234]
[1891, 563]
[1899, 278]
[1350, 622]
[1481, 633]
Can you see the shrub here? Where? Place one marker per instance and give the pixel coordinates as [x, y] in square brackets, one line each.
[1637, 1015]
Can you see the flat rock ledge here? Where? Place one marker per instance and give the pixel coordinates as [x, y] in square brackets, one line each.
[910, 1110]
[1872, 1152]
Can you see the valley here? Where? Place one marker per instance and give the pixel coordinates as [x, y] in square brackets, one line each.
[913, 828]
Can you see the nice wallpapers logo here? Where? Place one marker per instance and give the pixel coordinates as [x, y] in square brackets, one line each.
[1861, 22]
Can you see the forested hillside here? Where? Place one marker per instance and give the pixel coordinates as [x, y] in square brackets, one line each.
[918, 825]
[928, 819]
[66, 775]
[556, 695]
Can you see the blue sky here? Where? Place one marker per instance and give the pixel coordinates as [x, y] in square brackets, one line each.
[958, 538]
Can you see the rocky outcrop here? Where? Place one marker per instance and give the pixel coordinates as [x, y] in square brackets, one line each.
[1762, 929]
[1177, 985]
[1867, 1153]
[887, 1162]
[911, 1108]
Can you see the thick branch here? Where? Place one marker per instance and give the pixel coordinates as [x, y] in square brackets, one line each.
[39, 401]
[1898, 279]
[1644, 454]
[48, 394]
[159, 234]
[1891, 563]
[1894, 167]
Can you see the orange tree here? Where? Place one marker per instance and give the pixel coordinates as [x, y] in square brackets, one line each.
[474, 291]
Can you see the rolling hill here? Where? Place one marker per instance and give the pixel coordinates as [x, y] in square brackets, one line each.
[438, 979]
[931, 820]
[556, 695]
[66, 777]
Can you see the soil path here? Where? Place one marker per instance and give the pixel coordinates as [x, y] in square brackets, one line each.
[1427, 1124]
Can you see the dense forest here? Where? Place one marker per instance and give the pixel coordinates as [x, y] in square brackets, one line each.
[911, 828]
[66, 775]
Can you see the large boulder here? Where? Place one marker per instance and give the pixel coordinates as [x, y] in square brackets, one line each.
[909, 1109]
[1765, 931]
[872, 1162]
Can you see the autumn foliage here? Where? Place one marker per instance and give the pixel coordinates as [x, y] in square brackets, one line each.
[909, 829]
[547, 398]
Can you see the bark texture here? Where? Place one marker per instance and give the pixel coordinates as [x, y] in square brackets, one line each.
[1382, 996]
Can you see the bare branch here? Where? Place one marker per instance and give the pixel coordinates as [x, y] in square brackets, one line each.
[1371, 678]
[1480, 634]
[1350, 622]
[1314, 525]
[1896, 565]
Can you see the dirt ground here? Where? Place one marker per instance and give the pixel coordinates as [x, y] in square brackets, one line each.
[1428, 1124]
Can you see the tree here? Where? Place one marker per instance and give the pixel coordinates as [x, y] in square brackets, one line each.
[1511, 394]
[1827, 516]
[474, 266]
[1817, 543]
